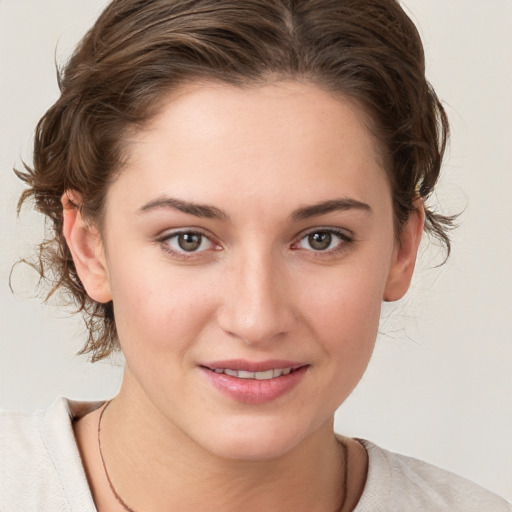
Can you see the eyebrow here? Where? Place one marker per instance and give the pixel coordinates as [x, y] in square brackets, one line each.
[211, 212]
[341, 204]
[198, 210]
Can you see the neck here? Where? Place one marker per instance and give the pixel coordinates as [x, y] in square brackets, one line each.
[155, 466]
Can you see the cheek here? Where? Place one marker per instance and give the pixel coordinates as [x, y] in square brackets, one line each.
[346, 322]
[157, 309]
[345, 312]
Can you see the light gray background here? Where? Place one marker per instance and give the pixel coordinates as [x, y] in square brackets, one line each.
[440, 384]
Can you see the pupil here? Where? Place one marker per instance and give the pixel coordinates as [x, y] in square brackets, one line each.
[189, 241]
[320, 241]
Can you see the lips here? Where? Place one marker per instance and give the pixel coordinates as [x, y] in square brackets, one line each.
[254, 382]
[244, 374]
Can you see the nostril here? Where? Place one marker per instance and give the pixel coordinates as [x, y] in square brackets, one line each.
[255, 307]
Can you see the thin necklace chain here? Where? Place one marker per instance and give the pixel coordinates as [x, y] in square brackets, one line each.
[344, 451]
[112, 488]
[128, 509]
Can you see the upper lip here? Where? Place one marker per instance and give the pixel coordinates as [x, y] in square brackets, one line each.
[253, 366]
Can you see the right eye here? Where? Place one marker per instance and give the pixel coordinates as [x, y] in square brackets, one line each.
[183, 243]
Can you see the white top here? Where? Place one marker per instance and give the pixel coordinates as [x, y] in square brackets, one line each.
[41, 471]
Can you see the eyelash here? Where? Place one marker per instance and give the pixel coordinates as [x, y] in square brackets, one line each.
[164, 243]
[345, 241]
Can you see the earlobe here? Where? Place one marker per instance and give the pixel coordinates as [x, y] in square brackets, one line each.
[86, 247]
[404, 256]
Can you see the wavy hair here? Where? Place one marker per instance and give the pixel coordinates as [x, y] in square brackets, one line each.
[139, 50]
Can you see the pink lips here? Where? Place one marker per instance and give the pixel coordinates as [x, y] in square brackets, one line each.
[252, 390]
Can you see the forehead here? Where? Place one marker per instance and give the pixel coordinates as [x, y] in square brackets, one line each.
[287, 141]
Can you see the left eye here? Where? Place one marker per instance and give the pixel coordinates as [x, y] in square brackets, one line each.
[322, 240]
[188, 241]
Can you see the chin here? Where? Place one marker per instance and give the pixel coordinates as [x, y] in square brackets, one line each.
[253, 440]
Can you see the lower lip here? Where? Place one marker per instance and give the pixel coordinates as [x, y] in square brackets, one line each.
[253, 391]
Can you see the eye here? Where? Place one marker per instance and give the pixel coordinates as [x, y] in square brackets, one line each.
[323, 240]
[187, 242]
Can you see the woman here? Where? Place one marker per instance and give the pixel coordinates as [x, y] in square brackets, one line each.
[235, 187]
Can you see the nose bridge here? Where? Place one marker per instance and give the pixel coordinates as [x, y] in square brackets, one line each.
[256, 308]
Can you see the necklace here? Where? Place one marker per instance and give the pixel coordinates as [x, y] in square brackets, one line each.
[344, 451]
[112, 488]
[128, 509]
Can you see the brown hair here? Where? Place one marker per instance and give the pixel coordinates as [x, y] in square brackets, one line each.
[139, 50]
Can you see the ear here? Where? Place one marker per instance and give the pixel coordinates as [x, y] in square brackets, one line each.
[86, 247]
[404, 255]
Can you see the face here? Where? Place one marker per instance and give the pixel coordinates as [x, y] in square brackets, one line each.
[248, 247]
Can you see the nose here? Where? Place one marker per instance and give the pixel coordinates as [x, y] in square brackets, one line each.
[257, 303]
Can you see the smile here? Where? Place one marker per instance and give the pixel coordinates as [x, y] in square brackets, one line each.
[253, 382]
[264, 375]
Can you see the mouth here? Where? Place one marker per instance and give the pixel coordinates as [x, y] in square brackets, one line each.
[261, 375]
[254, 382]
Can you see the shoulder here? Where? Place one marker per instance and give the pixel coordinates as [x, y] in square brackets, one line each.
[40, 467]
[396, 482]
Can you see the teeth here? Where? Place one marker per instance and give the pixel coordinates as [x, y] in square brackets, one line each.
[243, 374]
[269, 374]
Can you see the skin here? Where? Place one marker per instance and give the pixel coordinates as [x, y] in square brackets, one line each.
[255, 290]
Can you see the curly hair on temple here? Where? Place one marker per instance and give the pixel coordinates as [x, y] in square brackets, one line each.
[138, 51]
